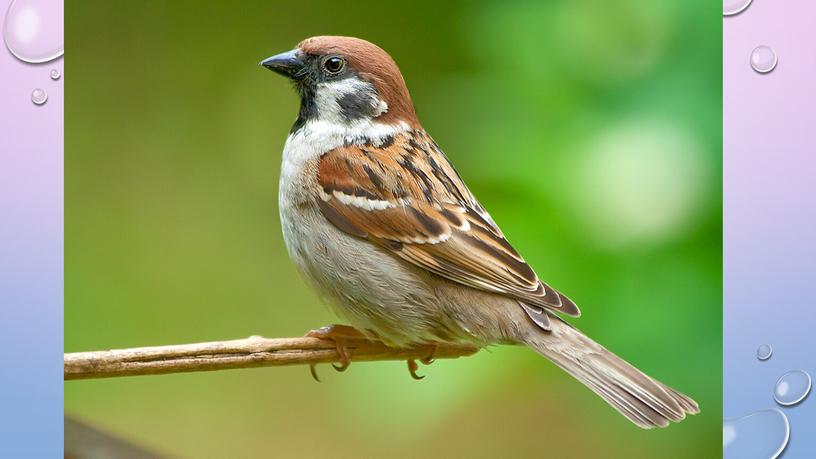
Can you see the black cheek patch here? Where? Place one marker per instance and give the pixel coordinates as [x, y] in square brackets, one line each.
[356, 105]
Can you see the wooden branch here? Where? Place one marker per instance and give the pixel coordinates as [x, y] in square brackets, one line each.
[251, 352]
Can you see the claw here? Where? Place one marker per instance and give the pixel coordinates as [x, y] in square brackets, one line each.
[345, 358]
[430, 357]
[338, 334]
[342, 367]
[412, 368]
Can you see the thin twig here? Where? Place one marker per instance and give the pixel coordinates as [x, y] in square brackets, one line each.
[251, 352]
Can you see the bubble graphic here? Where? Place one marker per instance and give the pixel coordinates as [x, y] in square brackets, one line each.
[39, 96]
[761, 435]
[33, 30]
[732, 7]
[763, 59]
[792, 387]
[55, 74]
[764, 352]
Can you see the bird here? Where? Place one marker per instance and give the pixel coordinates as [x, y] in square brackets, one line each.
[378, 221]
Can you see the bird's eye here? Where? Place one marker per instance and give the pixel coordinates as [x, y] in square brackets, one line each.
[334, 64]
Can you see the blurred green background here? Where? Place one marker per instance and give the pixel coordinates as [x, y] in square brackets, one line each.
[591, 130]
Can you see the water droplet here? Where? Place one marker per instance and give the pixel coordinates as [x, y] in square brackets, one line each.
[761, 434]
[763, 59]
[792, 387]
[33, 30]
[732, 7]
[55, 74]
[764, 352]
[39, 96]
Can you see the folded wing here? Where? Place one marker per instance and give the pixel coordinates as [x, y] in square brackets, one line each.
[401, 193]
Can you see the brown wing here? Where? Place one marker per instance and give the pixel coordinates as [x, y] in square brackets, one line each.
[402, 194]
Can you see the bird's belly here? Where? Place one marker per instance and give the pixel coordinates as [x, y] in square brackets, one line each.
[371, 288]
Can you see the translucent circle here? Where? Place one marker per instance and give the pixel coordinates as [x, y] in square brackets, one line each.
[55, 74]
[763, 59]
[39, 96]
[732, 7]
[759, 434]
[33, 30]
[764, 352]
[792, 387]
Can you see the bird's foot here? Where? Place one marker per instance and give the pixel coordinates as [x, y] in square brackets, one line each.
[413, 367]
[429, 359]
[339, 334]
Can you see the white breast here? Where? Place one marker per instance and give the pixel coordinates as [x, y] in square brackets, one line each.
[367, 285]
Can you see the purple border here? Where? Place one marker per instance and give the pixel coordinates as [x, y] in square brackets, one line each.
[31, 259]
[770, 210]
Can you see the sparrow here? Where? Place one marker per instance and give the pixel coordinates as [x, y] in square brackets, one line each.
[379, 222]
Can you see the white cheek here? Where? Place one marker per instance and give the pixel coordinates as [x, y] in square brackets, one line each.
[325, 100]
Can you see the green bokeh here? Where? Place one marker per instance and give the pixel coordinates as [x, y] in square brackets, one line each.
[173, 145]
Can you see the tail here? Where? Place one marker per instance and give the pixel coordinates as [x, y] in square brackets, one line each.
[645, 401]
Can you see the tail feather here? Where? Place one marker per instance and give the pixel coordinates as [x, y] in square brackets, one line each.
[643, 400]
[685, 401]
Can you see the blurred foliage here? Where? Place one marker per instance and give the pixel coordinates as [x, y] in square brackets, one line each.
[591, 129]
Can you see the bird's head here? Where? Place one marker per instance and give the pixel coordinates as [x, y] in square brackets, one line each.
[345, 80]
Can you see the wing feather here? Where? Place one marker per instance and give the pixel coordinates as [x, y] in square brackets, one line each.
[406, 197]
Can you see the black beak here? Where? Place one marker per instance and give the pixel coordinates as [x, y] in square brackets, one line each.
[287, 64]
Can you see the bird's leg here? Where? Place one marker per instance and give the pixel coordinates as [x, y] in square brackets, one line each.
[339, 334]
